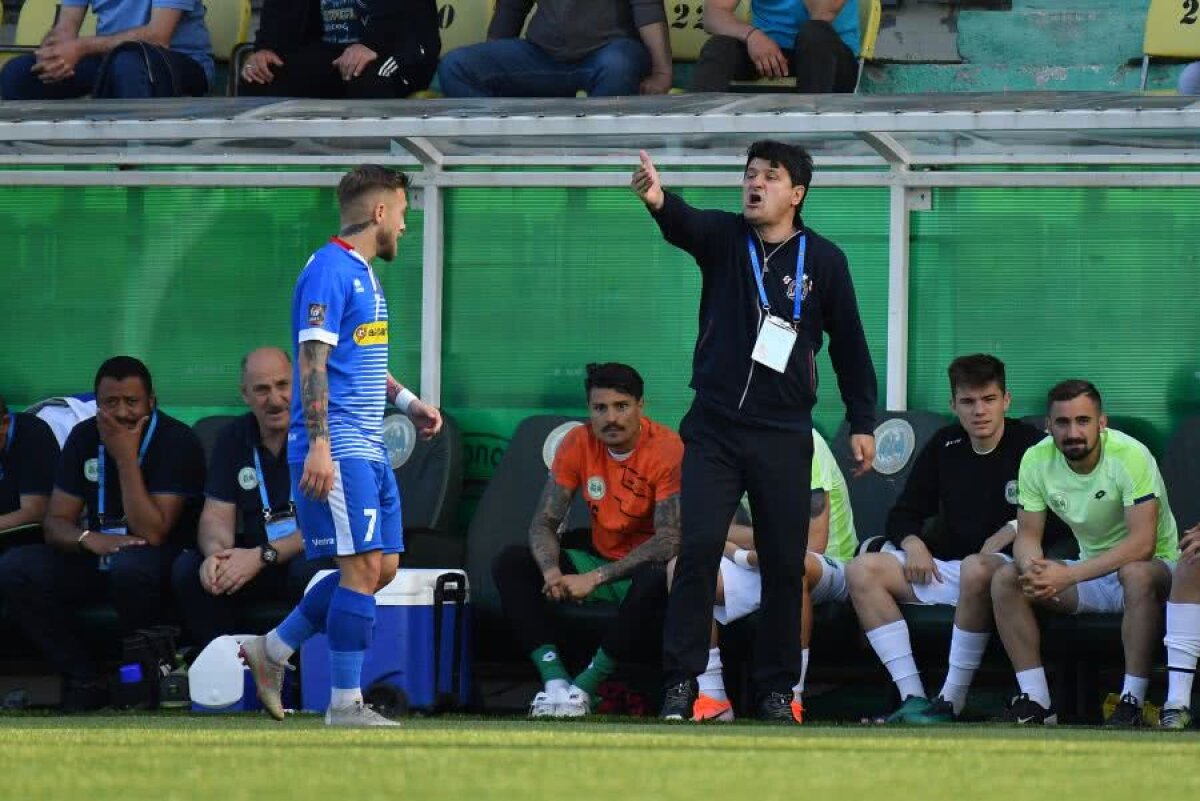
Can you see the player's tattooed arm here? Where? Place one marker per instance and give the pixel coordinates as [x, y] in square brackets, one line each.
[543, 531]
[314, 388]
[816, 505]
[662, 547]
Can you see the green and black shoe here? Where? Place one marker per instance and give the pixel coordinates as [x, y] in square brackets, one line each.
[940, 711]
[912, 707]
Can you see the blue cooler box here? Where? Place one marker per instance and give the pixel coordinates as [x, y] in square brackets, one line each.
[432, 671]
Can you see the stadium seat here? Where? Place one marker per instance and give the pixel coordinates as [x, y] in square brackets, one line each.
[461, 23]
[870, 12]
[36, 19]
[431, 481]
[1172, 31]
[207, 429]
[873, 494]
[1181, 472]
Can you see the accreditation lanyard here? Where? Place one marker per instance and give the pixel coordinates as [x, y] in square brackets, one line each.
[801, 248]
[277, 526]
[12, 428]
[100, 464]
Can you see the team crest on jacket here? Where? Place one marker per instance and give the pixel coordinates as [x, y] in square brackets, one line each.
[789, 285]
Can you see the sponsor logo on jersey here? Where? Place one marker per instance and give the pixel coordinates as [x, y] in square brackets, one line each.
[375, 333]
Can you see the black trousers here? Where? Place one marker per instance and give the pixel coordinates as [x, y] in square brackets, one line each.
[819, 59]
[40, 585]
[520, 583]
[209, 616]
[308, 71]
[721, 460]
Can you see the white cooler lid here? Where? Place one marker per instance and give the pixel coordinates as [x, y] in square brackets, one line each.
[412, 586]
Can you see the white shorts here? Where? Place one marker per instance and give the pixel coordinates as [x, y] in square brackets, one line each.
[1104, 594]
[941, 593]
[743, 588]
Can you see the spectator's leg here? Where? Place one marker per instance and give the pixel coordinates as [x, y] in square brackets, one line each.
[138, 579]
[136, 70]
[307, 71]
[206, 616]
[823, 62]
[18, 82]
[39, 585]
[505, 68]
[615, 69]
[723, 59]
[1189, 79]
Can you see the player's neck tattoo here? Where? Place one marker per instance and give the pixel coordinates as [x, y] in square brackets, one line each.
[354, 228]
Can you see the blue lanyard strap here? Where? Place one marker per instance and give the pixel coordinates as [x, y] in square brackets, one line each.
[100, 463]
[262, 485]
[801, 248]
[12, 427]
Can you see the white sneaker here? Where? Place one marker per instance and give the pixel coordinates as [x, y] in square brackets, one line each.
[358, 715]
[575, 704]
[543, 706]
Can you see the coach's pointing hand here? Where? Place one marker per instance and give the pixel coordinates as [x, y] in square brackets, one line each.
[646, 184]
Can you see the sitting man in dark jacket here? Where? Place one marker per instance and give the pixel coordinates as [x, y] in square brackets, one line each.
[343, 49]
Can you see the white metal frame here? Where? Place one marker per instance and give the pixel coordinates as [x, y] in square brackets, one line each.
[413, 140]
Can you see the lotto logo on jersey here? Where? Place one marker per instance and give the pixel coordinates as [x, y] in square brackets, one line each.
[371, 334]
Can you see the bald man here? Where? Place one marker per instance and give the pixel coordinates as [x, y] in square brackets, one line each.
[248, 538]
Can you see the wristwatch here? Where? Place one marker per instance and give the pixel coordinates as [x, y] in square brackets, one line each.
[268, 554]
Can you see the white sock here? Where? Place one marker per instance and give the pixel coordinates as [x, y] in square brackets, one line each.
[966, 652]
[1033, 683]
[1183, 651]
[894, 649]
[557, 687]
[340, 699]
[798, 690]
[573, 689]
[1136, 686]
[277, 649]
[712, 680]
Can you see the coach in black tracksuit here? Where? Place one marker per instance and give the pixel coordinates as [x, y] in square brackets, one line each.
[343, 49]
[750, 426]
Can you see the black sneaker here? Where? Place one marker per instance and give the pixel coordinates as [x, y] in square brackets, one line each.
[1023, 711]
[779, 708]
[678, 700]
[1126, 714]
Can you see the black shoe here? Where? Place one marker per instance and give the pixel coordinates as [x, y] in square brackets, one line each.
[1023, 711]
[1127, 714]
[678, 701]
[84, 696]
[779, 708]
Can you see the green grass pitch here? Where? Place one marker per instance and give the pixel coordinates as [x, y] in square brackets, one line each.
[235, 757]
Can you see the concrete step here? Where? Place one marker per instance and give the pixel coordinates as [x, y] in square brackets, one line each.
[1139, 6]
[887, 79]
[1050, 37]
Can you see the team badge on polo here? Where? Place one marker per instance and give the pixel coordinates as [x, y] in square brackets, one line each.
[91, 470]
[1010, 492]
[247, 479]
[1058, 501]
[595, 488]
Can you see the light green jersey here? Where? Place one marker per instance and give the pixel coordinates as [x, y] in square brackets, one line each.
[827, 477]
[1094, 505]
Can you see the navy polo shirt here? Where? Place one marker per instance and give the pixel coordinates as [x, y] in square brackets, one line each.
[232, 478]
[28, 459]
[173, 465]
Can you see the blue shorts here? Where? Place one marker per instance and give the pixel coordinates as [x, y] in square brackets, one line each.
[361, 514]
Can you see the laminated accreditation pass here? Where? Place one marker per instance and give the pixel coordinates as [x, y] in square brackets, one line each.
[774, 345]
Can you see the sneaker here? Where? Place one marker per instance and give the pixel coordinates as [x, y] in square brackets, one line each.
[357, 716]
[709, 708]
[779, 708]
[679, 700]
[912, 707]
[575, 704]
[1175, 718]
[1127, 713]
[267, 673]
[939, 711]
[1023, 710]
[543, 706]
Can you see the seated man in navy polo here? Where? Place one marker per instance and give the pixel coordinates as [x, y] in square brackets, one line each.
[133, 476]
[28, 458]
[234, 566]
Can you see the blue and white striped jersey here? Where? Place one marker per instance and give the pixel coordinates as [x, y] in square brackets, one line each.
[338, 301]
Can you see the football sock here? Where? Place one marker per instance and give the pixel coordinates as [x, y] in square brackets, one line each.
[304, 621]
[892, 645]
[1135, 686]
[1183, 651]
[1033, 683]
[549, 665]
[966, 652]
[350, 625]
[712, 680]
[599, 669]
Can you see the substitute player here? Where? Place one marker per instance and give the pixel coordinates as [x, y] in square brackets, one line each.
[347, 501]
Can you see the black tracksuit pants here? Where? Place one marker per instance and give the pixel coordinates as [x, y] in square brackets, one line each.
[722, 459]
[819, 59]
